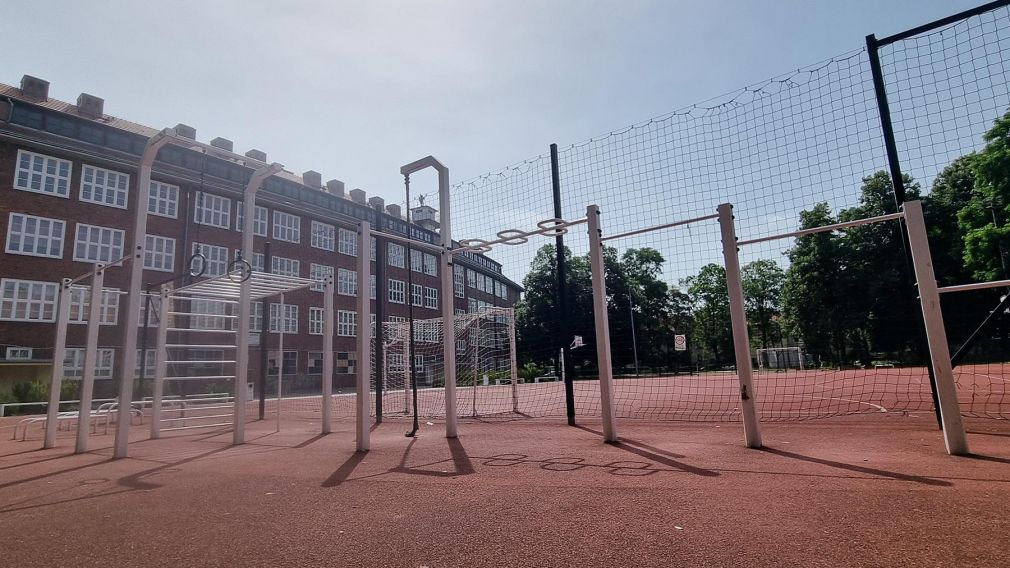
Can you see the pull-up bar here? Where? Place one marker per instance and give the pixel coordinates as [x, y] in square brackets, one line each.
[660, 227]
[824, 229]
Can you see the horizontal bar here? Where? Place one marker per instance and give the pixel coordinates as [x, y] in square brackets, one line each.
[194, 362]
[943, 22]
[412, 243]
[207, 377]
[201, 330]
[197, 426]
[975, 286]
[191, 346]
[205, 315]
[190, 299]
[195, 417]
[825, 228]
[659, 227]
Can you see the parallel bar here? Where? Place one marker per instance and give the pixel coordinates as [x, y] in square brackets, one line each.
[414, 243]
[825, 228]
[975, 286]
[936, 335]
[603, 358]
[90, 354]
[738, 319]
[660, 227]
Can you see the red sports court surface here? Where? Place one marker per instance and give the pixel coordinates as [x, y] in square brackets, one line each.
[873, 490]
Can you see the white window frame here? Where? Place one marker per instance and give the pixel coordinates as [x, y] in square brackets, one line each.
[104, 187]
[458, 281]
[397, 291]
[347, 323]
[373, 286]
[80, 305]
[285, 266]
[163, 200]
[396, 255]
[430, 264]
[290, 318]
[159, 253]
[260, 221]
[319, 273]
[316, 321]
[431, 298]
[104, 363]
[416, 261]
[256, 316]
[104, 252]
[287, 227]
[18, 354]
[212, 210]
[39, 173]
[347, 242]
[28, 243]
[417, 295]
[324, 236]
[347, 282]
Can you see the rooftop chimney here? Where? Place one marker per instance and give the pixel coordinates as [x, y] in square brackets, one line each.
[90, 106]
[222, 143]
[312, 179]
[185, 131]
[34, 88]
[336, 187]
[358, 196]
[377, 203]
[394, 210]
[257, 155]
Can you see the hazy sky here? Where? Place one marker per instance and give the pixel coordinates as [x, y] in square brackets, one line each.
[355, 89]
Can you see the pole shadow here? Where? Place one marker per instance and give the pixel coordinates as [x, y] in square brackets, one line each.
[857, 468]
[345, 470]
[654, 454]
[461, 464]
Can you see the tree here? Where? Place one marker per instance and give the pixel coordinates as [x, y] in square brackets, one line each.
[710, 301]
[985, 220]
[762, 287]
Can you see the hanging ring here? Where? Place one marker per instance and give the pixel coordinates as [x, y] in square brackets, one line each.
[194, 272]
[240, 269]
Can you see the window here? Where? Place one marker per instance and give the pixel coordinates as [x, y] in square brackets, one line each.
[471, 305]
[348, 242]
[290, 318]
[471, 278]
[397, 291]
[217, 258]
[315, 363]
[431, 298]
[19, 353]
[316, 321]
[395, 253]
[347, 323]
[257, 260]
[80, 305]
[320, 273]
[397, 319]
[287, 227]
[285, 266]
[430, 265]
[73, 363]
[347, 282]
[259, 220]
[212, 314]
[256, 316]
[98, 244]
[372, 286]
[371, 324]
[416, 293]
[159, 253]
[375, 245]
[155, 302]
[416, 261]
[458, 282]
[104, 187]
[35, 236]
[163, 200]
[42, 174]
[290, 362]
[149, 363]
[323, 236]
[395, 361]
[212, 210]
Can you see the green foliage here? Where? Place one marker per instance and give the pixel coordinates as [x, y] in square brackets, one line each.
[985, 220]
[710, 301]
[762, 282]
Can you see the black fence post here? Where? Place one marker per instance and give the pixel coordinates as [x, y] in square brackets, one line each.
[264, 337]
[380, 296]
[562, 292]
[898, 185]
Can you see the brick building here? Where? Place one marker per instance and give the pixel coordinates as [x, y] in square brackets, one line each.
[68, 177]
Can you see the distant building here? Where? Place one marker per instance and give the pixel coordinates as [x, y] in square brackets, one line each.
[68, 177]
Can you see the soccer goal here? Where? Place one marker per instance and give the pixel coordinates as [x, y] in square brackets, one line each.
[781, 358]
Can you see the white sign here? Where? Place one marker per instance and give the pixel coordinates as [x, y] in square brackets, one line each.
[577, 342]
[680, 342]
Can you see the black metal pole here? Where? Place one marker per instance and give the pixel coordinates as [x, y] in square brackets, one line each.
[898, 185]
[380, 297]
[409, 296]
[264, 337]
[563, 330]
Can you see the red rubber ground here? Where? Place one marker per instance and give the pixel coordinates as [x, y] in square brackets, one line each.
[861, 491]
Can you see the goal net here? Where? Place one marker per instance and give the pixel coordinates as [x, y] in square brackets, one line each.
[781, 358]
[486, 375]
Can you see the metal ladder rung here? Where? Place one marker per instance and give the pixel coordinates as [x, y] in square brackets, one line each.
[191, 346]
[198, 299]
[178, 418]
[196, 314]
[197, 362]
[201, 330]
[197, 426]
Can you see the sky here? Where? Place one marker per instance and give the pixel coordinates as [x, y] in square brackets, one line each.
[354, 89]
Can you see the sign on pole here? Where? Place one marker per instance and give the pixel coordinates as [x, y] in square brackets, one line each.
[680, 343]
[577, 342]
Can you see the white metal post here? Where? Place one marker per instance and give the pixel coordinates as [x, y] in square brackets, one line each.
[738, 319]
[476, 364]
[939, 353]
[364, 339]
[160, 358]
[280, 357]
[512, 359]
[602, 324]
[328, 302]
[449, 343]
[134, 298]
[59, 354]
[90, 354]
